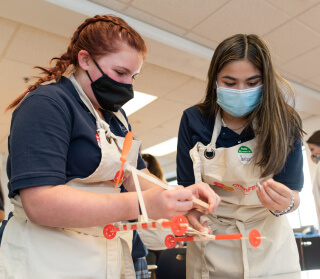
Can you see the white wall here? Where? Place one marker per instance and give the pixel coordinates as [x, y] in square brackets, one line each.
[304, 216]
[310, 125]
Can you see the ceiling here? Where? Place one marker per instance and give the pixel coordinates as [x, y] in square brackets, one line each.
[181, 36]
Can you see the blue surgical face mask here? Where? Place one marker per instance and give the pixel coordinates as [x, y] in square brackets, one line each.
[239, 103]
[317, 158]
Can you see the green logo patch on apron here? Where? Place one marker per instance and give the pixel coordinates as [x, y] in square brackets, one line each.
[245, 155]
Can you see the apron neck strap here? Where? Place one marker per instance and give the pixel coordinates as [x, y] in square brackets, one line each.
[216, 131]
[84, 98]
[122, 119]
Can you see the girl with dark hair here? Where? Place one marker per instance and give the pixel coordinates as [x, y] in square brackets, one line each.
[314, 146]
[242, 135]
[64, 149]
[153, 240]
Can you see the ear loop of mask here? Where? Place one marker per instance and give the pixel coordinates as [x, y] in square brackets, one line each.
[94, 61]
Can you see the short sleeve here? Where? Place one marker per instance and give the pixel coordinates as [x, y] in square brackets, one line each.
[38, 143]
[292, 173]
[185, 174]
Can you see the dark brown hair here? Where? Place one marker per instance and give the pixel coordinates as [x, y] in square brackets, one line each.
[154, 166]
[278, 124]
[98, 35]
[315, 138]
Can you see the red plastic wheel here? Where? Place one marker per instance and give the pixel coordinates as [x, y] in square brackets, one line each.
[169, 241]
[176, 227]
[109, 231]
[254, 241]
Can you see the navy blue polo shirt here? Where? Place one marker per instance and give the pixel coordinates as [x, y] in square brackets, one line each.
[53, 138]
[194, 127]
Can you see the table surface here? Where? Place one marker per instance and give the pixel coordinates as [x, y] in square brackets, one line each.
[307, 274]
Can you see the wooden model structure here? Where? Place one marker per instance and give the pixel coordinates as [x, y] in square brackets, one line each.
[178, 225]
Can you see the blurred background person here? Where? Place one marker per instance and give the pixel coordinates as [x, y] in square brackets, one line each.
[314, 146]
[153, 240]
[153, 166]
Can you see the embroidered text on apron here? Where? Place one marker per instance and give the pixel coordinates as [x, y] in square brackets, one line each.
[233, 176]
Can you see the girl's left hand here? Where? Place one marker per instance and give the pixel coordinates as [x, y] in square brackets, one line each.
[204, 192]
[193, 217]
[275, 196]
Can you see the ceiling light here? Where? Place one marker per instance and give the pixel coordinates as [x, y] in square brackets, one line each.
[162, 148]
[139, 101]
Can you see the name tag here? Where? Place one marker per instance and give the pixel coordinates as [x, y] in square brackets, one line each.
[245, 155]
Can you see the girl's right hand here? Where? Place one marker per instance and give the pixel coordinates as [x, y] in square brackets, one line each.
[166, 204]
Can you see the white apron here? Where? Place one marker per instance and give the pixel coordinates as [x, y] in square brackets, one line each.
[233, 176]
[316, 192]
[154, 239]
[47, 252]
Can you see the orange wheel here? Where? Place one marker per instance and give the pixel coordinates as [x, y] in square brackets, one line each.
[254, 241]
[109, 231]
[176, 227]
[169, 241]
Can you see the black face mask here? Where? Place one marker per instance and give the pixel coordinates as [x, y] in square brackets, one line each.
[110, 94]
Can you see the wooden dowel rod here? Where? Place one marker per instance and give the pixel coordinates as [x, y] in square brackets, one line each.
[257, 237]
[167, 187]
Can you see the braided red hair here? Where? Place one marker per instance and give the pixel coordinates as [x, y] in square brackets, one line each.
[97, 35]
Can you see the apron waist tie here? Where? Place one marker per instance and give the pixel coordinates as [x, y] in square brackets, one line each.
[246, 273]
[97, 231]
[204, 269]
[128, 263]
[240, 226]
